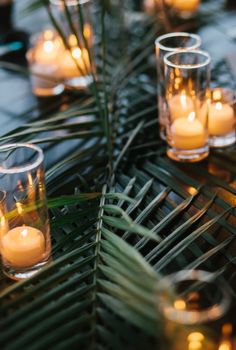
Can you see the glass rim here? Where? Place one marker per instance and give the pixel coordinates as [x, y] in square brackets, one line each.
[188, 66]
[22, 168]
[208, 314]
[3, 195]
[69, 2]
[176, 34]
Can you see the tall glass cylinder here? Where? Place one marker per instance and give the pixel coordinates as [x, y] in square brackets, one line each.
[165, 44]
[74, 21]
[194, 315]
[187, 79]
[25, 234]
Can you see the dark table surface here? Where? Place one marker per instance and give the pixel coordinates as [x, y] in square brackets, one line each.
[18, 105]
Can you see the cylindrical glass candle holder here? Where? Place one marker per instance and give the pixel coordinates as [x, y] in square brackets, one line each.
[194, 314]
[187, 78]
[25, 233]
[222, 118]
[43, 63]
[167, 43]
[74, 19]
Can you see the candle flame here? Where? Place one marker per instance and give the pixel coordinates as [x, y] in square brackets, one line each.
[3, 220]
[217, 95]
[48, 34]
[195, 345]
[225, 345]
[87, 31]
[191, 116]
[227, 329]
[195, 340]
[180, 304]
[48, 46]
[19, 208]
[183, 99]
[30, 179]
[73, 40]
[218, 106]
[196, 336]
[76, 53]
[24, 233]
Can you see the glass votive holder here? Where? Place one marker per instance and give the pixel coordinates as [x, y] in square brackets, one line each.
[43, 60]
[192, 310]
[182, 8]
[167, 43]
[187, 78]
[25, 232]
[74, 18]
[222, 118]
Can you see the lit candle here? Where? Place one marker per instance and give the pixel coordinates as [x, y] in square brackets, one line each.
[188, 133]
[221, 116]
[43, 60]
[23, 246]
[184, 5]
[180, 105]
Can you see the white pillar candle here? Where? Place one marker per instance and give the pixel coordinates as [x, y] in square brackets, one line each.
[23, 246]
[188, 133]
[180, 105]
[221, 119]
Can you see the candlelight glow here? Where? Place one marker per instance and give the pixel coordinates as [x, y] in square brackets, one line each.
[3, 220]
[196, 336]
[227, 329]
[87, 31]
[217, 95]
[48, 34]
[225, 345]
[48, 46]
[195, 345]
[73, 40]
[30, 179]
[24, 233]
[195, 340]
[183, 99]
[19, 207]
[218, 106]
[191, 116]
[76, 53]
[180, 304]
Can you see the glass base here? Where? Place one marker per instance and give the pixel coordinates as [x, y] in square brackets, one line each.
[222, 141]
[79, 83]
[48, 91]
[188, 156]
[163, 133]
[18, 274]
